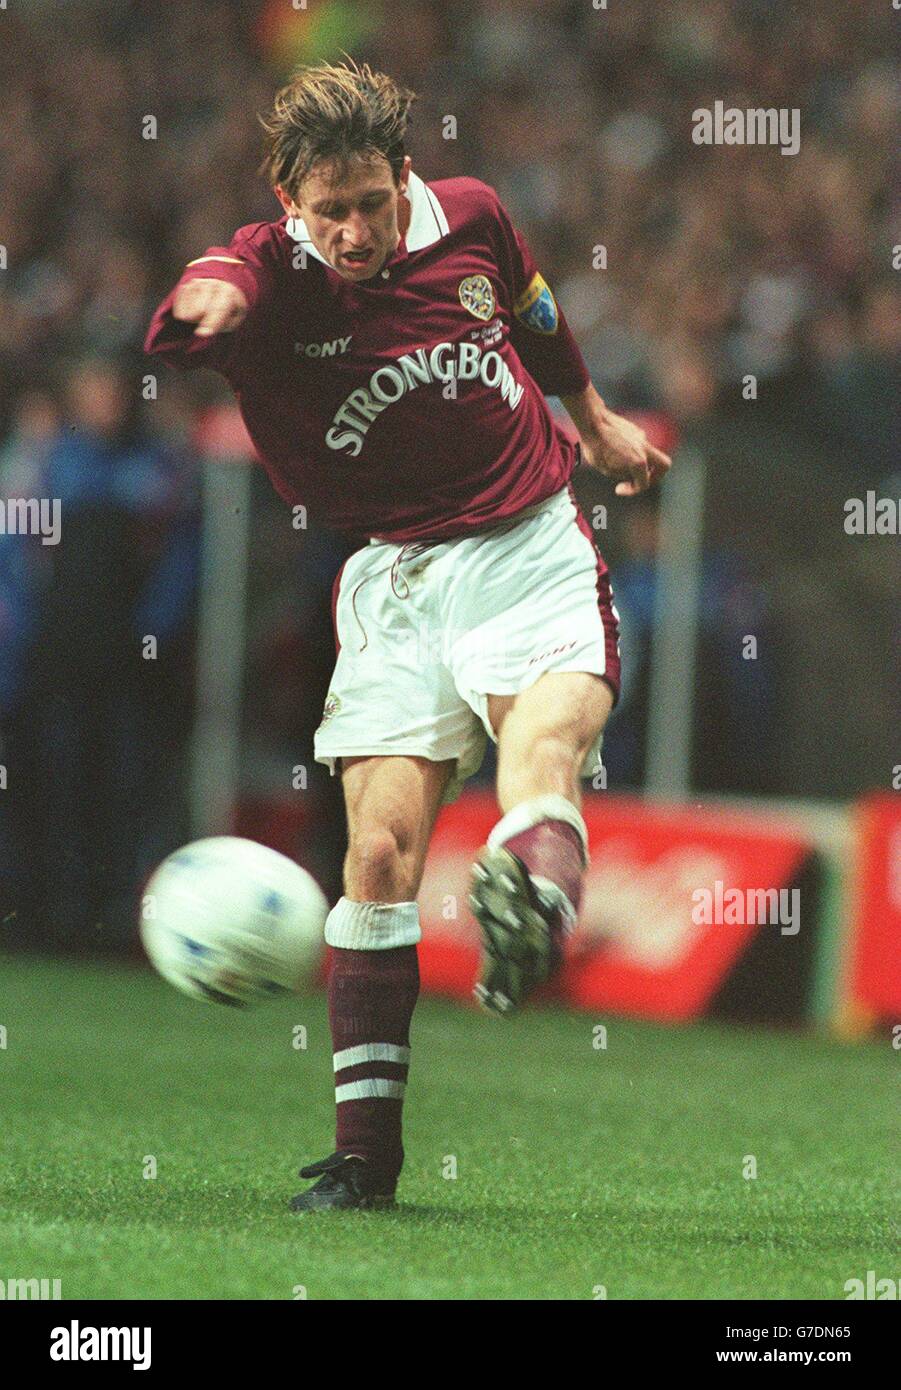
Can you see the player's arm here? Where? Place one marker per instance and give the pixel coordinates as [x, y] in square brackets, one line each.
[212, 306]
[547, 349]
[197, 323]
[614, 445]
[539, 332]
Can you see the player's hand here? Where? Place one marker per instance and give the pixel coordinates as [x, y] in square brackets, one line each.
[621, 450]
[214, 305]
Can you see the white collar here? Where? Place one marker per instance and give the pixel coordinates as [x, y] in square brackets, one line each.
[428, 223]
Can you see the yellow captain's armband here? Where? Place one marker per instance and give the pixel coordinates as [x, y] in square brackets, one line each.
[536, 307]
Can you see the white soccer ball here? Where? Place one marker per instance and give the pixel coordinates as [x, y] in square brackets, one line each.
[228, 920]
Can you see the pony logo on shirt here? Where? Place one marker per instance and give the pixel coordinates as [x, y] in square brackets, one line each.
[477, 296]
[536, 307]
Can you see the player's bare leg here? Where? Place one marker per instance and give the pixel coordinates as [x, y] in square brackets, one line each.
[391, 804]
[545, 733]
[527, 883]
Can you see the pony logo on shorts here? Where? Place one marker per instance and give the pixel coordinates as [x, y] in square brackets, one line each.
[477, 296]
[536, 307]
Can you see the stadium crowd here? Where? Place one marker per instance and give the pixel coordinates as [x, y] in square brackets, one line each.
[720, 260]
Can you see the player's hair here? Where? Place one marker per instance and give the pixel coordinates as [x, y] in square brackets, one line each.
[334, 112]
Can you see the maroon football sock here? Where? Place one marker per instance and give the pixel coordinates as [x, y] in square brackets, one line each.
[371, 997]
[552, 850]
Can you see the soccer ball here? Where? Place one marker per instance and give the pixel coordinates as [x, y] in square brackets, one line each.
[228, 920]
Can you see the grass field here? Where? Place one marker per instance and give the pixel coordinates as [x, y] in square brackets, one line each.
[576, 1167]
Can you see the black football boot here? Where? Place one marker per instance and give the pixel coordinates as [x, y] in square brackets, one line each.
[346, 1181]
[521, 932]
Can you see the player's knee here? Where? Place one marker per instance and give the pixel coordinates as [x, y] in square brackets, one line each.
[376, 852]
[375, 864]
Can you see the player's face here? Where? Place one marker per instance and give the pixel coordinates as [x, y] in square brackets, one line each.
[352, 220]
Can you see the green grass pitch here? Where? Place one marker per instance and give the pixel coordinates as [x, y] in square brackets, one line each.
[576, 1167]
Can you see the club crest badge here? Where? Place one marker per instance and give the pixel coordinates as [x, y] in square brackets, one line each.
[477, 296]
[536, 307]
[331, 707]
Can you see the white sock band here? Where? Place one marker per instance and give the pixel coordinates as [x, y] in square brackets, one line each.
[356, 926]
[529, 813]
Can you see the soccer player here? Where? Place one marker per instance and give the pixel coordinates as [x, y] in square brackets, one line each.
[390, 343]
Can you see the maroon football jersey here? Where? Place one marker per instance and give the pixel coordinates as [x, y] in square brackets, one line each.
[409, 406]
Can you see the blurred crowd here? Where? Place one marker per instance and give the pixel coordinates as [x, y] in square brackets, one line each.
[129, 143]
[720, 260]
[96, 626]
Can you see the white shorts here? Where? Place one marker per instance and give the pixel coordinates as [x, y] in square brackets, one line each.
[426, 633]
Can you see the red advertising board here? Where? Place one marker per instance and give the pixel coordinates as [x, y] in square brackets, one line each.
[875, 973]
[640, 948]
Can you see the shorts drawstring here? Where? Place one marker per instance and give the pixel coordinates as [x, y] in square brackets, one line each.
[408, 551]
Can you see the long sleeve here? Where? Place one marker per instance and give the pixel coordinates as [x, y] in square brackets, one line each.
[540, 333]
[250, 263]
